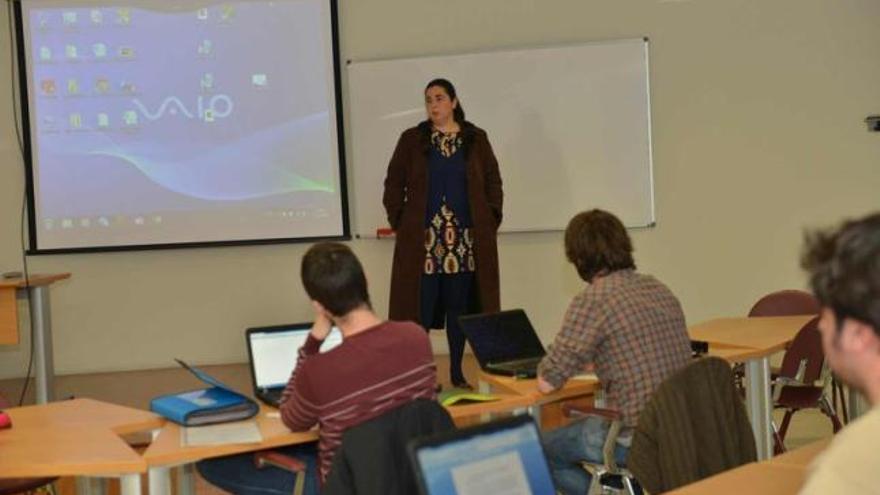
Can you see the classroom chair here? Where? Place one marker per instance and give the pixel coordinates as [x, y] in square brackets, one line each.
[694, 426]
[795, 387]
[790, 302]
[373, 458]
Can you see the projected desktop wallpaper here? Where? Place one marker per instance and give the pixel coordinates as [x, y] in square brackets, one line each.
[182, 123]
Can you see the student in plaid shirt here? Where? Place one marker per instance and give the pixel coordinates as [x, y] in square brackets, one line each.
[629, 326]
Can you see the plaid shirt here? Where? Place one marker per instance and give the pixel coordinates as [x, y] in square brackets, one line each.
[632, 328]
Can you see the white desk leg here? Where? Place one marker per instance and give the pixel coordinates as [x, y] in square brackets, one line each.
[186, 479]
[44, 376]
[759, 404]
[130, 484]
[83, 485]
[160, 480]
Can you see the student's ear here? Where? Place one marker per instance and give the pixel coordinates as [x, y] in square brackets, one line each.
[857, 336]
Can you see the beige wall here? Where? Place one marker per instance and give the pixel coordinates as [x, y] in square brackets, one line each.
[758, 133]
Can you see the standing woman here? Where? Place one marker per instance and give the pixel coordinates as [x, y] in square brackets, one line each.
[443, 198]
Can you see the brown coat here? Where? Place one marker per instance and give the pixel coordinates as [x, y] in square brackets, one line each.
[405, 200]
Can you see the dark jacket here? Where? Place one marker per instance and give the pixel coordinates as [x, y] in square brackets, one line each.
[694, 426]
[405, 200]
[373, 459]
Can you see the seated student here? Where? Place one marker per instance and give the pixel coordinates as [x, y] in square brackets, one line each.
[844, 269]
[379, 366]
[628, 325]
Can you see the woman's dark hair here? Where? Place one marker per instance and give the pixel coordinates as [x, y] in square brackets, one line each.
[333, 276]
[596, 242]
[458, 112]
[844, 269]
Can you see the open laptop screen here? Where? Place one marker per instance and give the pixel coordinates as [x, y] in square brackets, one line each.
[274, 352]
[501, 337]
[504, 457]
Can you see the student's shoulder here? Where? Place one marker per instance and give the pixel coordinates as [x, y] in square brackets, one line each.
[405, 328]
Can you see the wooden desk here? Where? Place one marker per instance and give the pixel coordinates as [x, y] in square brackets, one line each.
[36, 289]
[84, 413]
[755, 479]
[769, 333]
[757, 338]
[528, 388]
[803, 456]
[167, 452]
[75, 438]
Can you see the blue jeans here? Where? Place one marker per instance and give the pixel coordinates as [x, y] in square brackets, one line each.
[579, 441]
[237, 473]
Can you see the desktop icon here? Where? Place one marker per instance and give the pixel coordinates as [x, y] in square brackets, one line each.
[70, 51]
[127, 87]
[102, 85]
[227, 12]
[208, 115]
[103, 120]
[100, 50]
[68, 18]
[48, 224]
[48, 87]
[130, 117]
[126, 52]
[97, 16]
[123, 16]
[45, 53]
[205, 48]
[207, 82]
[67, 223]
[43, 22]
[75, 120]
[103, 221]
[85, 222]
[202, 14]
[259, 80]
[72, 87]
[139, 220]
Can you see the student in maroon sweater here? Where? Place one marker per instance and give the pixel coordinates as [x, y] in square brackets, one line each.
[379, 366]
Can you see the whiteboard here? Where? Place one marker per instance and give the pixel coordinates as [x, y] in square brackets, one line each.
[570, 126]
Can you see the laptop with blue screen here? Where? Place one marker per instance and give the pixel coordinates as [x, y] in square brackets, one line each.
[504, 457]
[272, 352]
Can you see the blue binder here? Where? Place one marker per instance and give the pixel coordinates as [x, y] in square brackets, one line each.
[215, 404]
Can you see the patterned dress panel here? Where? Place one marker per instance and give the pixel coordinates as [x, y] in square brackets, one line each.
[449, 248]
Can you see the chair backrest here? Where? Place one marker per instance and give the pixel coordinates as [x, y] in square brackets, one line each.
[806, 347]
[787, 302]
[695, 425]
[373, 458]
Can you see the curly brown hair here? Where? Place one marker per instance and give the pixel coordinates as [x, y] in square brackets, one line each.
[844, 269]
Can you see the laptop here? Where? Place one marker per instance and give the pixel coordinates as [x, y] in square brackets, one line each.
[504, 457]
[272, 352]
[504, 343]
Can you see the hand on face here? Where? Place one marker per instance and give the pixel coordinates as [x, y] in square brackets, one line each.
[323, 322]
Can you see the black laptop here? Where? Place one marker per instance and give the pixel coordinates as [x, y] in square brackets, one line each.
[504, 343]
[272, 352]
[499, 458]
